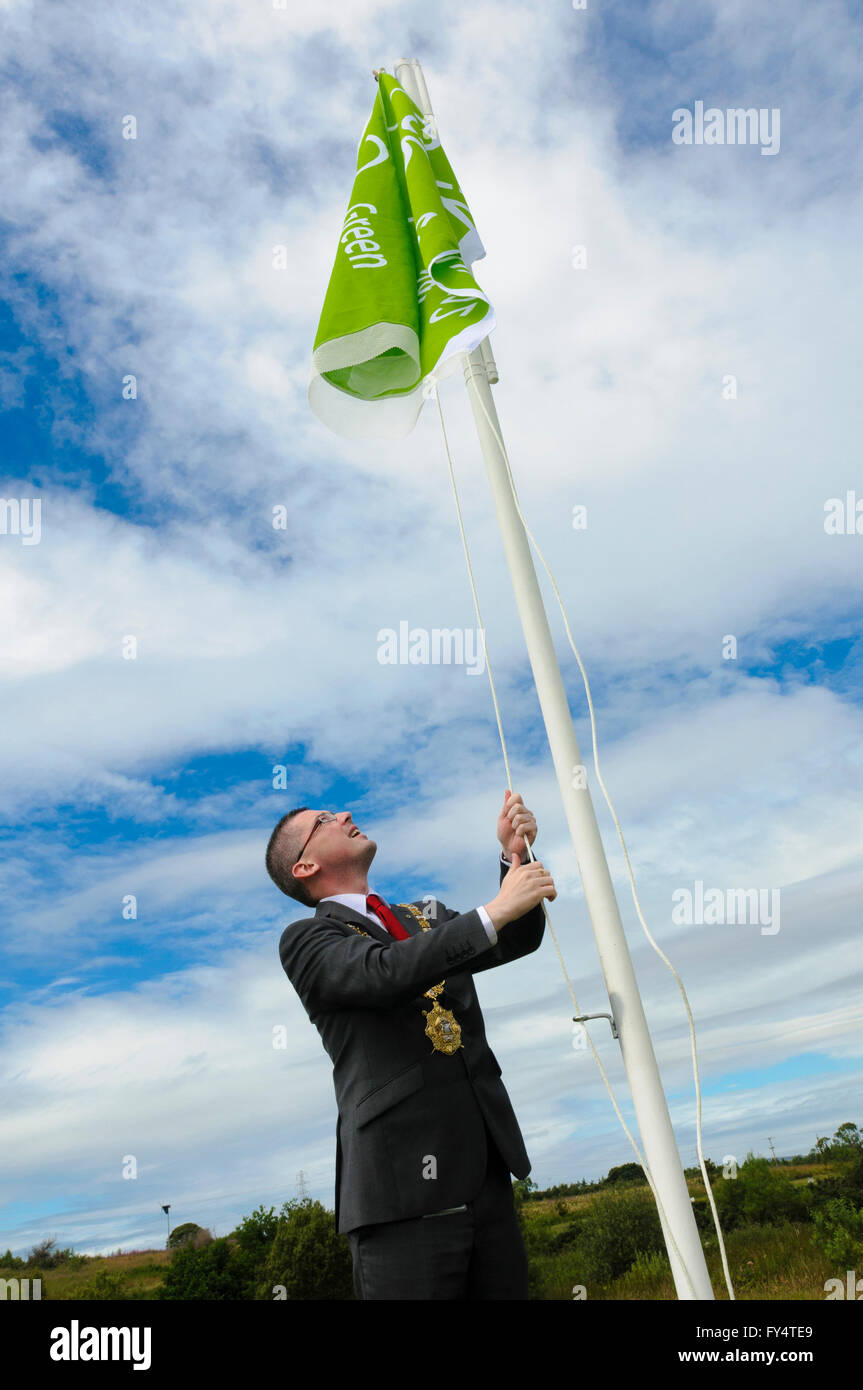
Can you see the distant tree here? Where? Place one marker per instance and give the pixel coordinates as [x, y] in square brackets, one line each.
[562, 1189]
[182, 1234]
[44, 1256]
[695, 1170]
[847, 1141]
[626, 1173]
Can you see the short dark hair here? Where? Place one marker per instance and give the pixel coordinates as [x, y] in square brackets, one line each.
[279, 865]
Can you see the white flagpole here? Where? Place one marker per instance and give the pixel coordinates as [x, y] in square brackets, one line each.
[651, 1107]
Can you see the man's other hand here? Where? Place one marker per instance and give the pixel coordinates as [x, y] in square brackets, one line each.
[523, 887]
[515, 824]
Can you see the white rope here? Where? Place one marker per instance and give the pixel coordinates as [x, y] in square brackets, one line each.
[641, 1160]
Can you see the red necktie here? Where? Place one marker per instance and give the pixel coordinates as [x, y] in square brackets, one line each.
[387, 916]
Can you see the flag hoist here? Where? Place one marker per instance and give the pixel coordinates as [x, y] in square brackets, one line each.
[402, 311]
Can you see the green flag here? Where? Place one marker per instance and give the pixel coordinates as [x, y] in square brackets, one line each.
[401, 302]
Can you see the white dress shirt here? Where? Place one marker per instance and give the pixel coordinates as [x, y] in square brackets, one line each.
[357, 903]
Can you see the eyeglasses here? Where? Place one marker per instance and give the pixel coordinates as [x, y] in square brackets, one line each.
[320, 820]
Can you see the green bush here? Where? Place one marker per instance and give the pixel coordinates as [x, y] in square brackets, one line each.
[761, 1195]
[308, 1257]
[256, 1233]
[653, 1266]
[848, 1182]
[839, 1231]
[612, 1232]
[218, 1270]
[105, 1286]
[852, 1181]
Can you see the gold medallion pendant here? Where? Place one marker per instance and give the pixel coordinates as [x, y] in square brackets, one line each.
[443, 1030]
[441, 1025]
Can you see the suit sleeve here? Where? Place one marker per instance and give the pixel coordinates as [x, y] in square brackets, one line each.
[332, 966]
[518, 938]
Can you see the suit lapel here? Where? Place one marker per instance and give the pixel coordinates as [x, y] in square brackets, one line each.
[375, 929]
[457, 992]
[355, 919]
[407, 919]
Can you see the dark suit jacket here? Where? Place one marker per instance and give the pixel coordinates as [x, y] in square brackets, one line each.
[411, 1137]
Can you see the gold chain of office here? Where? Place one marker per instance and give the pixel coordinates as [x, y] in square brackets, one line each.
[441, 1026]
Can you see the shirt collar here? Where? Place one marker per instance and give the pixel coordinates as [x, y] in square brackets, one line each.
[355, 901]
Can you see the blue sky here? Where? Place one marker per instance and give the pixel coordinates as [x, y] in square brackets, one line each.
[257, 647]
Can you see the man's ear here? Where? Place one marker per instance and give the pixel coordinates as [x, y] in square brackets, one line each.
[304, 868]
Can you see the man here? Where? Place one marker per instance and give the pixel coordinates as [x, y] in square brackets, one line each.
[426, 1136]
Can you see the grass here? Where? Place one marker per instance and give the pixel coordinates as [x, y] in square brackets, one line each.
[776, 1263]
[141, 1271]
